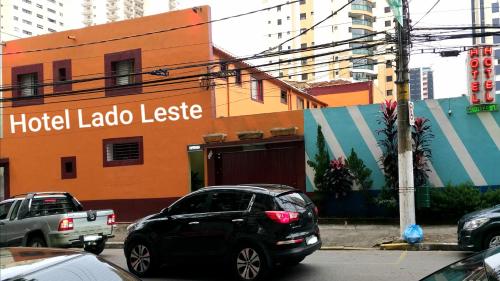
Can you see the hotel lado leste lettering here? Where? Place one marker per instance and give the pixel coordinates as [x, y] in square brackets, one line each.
[115, 116]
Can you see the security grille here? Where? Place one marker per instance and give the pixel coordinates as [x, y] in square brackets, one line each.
[122, 151]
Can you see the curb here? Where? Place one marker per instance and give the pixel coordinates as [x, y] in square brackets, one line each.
[420, 247]
[345, 248]
[114, 245]
[387, 247]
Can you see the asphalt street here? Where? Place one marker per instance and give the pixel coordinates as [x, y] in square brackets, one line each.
[369, 265]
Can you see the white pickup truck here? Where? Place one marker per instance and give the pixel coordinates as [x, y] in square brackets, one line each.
[53, 219]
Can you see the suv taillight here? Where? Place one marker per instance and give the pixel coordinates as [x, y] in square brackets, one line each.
[66, 224]
[111, 219]
[283, 216]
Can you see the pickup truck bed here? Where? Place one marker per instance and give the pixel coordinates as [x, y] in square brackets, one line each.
[53, 219]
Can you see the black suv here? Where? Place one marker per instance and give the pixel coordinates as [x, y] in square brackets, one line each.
[249, 227]
[479, 230]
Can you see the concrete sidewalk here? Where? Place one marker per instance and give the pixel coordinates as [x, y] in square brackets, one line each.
[360, 237]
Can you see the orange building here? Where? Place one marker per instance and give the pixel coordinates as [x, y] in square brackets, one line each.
[267, 94]
[90, 113]
[344, 94]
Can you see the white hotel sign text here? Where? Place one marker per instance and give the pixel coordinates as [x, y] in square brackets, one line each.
[116, 116]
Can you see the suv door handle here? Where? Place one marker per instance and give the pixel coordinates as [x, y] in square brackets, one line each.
[194, 222]
[237, 220]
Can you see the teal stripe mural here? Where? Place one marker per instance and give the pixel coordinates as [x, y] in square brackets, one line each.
[444, 159]
[470, 129]
[473, 154]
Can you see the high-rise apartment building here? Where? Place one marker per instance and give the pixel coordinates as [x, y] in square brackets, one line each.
[421, 83]
[102, 11]
[99, 11]
[362, 18]
[487, 13]
[24, 18]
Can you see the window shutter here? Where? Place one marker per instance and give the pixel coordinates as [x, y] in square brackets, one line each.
[124, 67]
[254, 88]
[27, 83]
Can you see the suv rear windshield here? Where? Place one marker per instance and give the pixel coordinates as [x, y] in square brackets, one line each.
[44, 206]
[293, 202]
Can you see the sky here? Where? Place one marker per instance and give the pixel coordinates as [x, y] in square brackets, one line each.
[246, 35]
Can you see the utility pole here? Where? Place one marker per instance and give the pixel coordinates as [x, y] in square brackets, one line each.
[405, 161]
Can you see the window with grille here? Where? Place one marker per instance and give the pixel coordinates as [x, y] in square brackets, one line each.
[123, 151]
[256, 91]
[27, 83]
[122, 70]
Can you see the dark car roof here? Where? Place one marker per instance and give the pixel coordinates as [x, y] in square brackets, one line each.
[272, 189]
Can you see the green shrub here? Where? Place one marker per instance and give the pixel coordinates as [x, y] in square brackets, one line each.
[490, 198]
[452, 202]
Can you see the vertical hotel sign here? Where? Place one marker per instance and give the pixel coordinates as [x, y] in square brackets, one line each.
[481, 79]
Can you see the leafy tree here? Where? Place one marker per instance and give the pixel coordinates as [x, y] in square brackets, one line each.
[321, 161]
[338, 179]
[361, 175]
[421, 135]
[389, 145]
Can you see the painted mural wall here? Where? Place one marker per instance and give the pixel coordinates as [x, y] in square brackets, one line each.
[466, 147]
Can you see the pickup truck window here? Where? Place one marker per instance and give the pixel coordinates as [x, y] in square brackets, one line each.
[4, 209]
[46, 206]
[13, 214]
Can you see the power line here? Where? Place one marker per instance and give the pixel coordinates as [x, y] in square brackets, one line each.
[181, 79]
[170, 90]
[89, 91]
[204, 63]
[151, 32]
[311, 27]
[433, 6]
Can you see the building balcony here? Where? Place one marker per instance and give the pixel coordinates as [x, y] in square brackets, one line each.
[362, 22]
[362, 8]
[87, 12]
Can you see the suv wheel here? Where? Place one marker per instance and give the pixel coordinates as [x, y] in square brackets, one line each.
[140, 259]
[492, 240]
[250, 263]
[37, 242]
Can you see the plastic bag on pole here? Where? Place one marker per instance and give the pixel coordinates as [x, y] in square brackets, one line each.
[413, 234]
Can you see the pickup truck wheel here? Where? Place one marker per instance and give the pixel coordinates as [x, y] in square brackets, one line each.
[37, 242]
[141, 259]
[95, 249]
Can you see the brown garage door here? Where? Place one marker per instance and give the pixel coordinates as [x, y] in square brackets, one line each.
[279, 163]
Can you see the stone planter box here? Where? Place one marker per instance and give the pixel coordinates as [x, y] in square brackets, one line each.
[279, 132]
[216, 137]
[250, 135]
